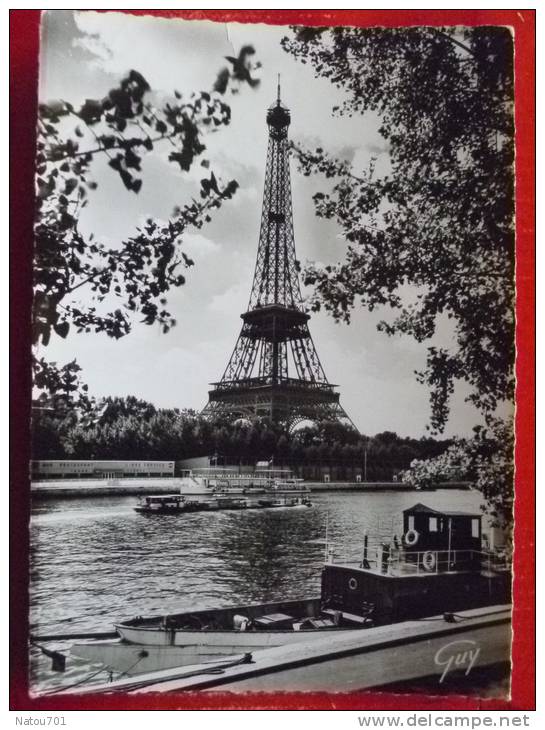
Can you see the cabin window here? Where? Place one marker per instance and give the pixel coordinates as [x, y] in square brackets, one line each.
[475, 528]
[433, 524]
[410, 522]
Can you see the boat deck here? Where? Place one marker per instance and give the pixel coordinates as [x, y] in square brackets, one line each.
[350, 661]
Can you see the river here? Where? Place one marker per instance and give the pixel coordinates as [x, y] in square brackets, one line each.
[95, 560]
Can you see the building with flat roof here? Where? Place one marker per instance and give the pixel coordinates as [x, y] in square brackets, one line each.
[98, 469]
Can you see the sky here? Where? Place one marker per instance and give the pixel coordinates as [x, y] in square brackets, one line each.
[83, 55]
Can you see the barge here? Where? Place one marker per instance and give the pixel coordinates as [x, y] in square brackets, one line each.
[438, 573]
[176, 504]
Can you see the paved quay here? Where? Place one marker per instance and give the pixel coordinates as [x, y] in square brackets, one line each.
[134, 487]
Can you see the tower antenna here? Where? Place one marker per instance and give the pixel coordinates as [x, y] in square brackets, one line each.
[278, 94]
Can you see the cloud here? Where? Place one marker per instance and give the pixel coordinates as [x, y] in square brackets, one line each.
[100, 53]
[169, 52]
[232, 300]
[198, 246]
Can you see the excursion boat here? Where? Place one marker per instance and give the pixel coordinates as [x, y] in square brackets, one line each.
[164, 504]
[438, 567]
[178, 504]
[264, 480]
[290, 484]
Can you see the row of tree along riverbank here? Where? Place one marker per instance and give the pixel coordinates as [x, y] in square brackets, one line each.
[128, 428]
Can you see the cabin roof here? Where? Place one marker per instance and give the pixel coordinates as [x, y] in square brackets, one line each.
[419, 507]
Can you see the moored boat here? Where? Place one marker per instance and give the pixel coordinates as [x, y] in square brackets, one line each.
[290, 484]
[229, 480]
[197, 636]
[438, 567]
[439, 649]
[258, 625]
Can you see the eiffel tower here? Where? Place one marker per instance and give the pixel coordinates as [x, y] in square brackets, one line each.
[274, 372]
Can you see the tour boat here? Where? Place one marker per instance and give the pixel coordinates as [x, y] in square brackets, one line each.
[178, 504]
[163, 504]
[438, 568]
[225, 480]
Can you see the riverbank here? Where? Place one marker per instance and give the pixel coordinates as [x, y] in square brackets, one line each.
[168, 485]
[95, 561]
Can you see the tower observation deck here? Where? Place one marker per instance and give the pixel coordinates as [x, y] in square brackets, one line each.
[274, 371]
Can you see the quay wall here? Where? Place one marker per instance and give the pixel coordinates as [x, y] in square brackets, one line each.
[168, 485]
[376, 486]
[104, 487]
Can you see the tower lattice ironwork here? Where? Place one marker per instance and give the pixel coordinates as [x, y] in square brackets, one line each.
[275, 372]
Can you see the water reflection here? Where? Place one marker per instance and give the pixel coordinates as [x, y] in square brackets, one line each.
[268, 554]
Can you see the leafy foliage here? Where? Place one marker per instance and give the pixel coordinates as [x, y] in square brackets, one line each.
[63, 399]
[486, 460]
[61, 387]
[132, 278]
[441, 218]
[123, 127]
[130, 428]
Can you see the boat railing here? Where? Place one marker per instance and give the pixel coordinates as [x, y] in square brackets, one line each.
[223, 479]
[397, 562]
[429, 561]
[245, 472]
[291, 485]
[118, 480]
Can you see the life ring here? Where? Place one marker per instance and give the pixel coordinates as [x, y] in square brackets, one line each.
[428, 561]
[411, 537]
[352, 584]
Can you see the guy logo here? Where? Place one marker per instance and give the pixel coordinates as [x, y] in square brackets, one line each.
[456, 655]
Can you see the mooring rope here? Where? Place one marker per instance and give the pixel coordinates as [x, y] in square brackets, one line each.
[454, 618]
[75, 684]
[138, 684]
[142, 654]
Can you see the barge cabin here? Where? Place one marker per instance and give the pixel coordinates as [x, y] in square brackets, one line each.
[438, 566]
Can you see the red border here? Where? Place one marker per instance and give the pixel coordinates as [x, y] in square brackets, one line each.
[24, 43]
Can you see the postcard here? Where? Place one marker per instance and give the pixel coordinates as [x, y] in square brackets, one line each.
[278, 264]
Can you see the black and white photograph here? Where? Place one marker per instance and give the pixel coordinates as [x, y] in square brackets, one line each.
[273, 358]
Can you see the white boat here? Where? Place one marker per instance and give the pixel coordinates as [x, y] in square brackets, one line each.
[196, 636]
[243, 627]
[437, 649]
[161, 504]
[225, 480]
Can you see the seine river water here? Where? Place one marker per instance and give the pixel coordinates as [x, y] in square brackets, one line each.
[95, 560]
